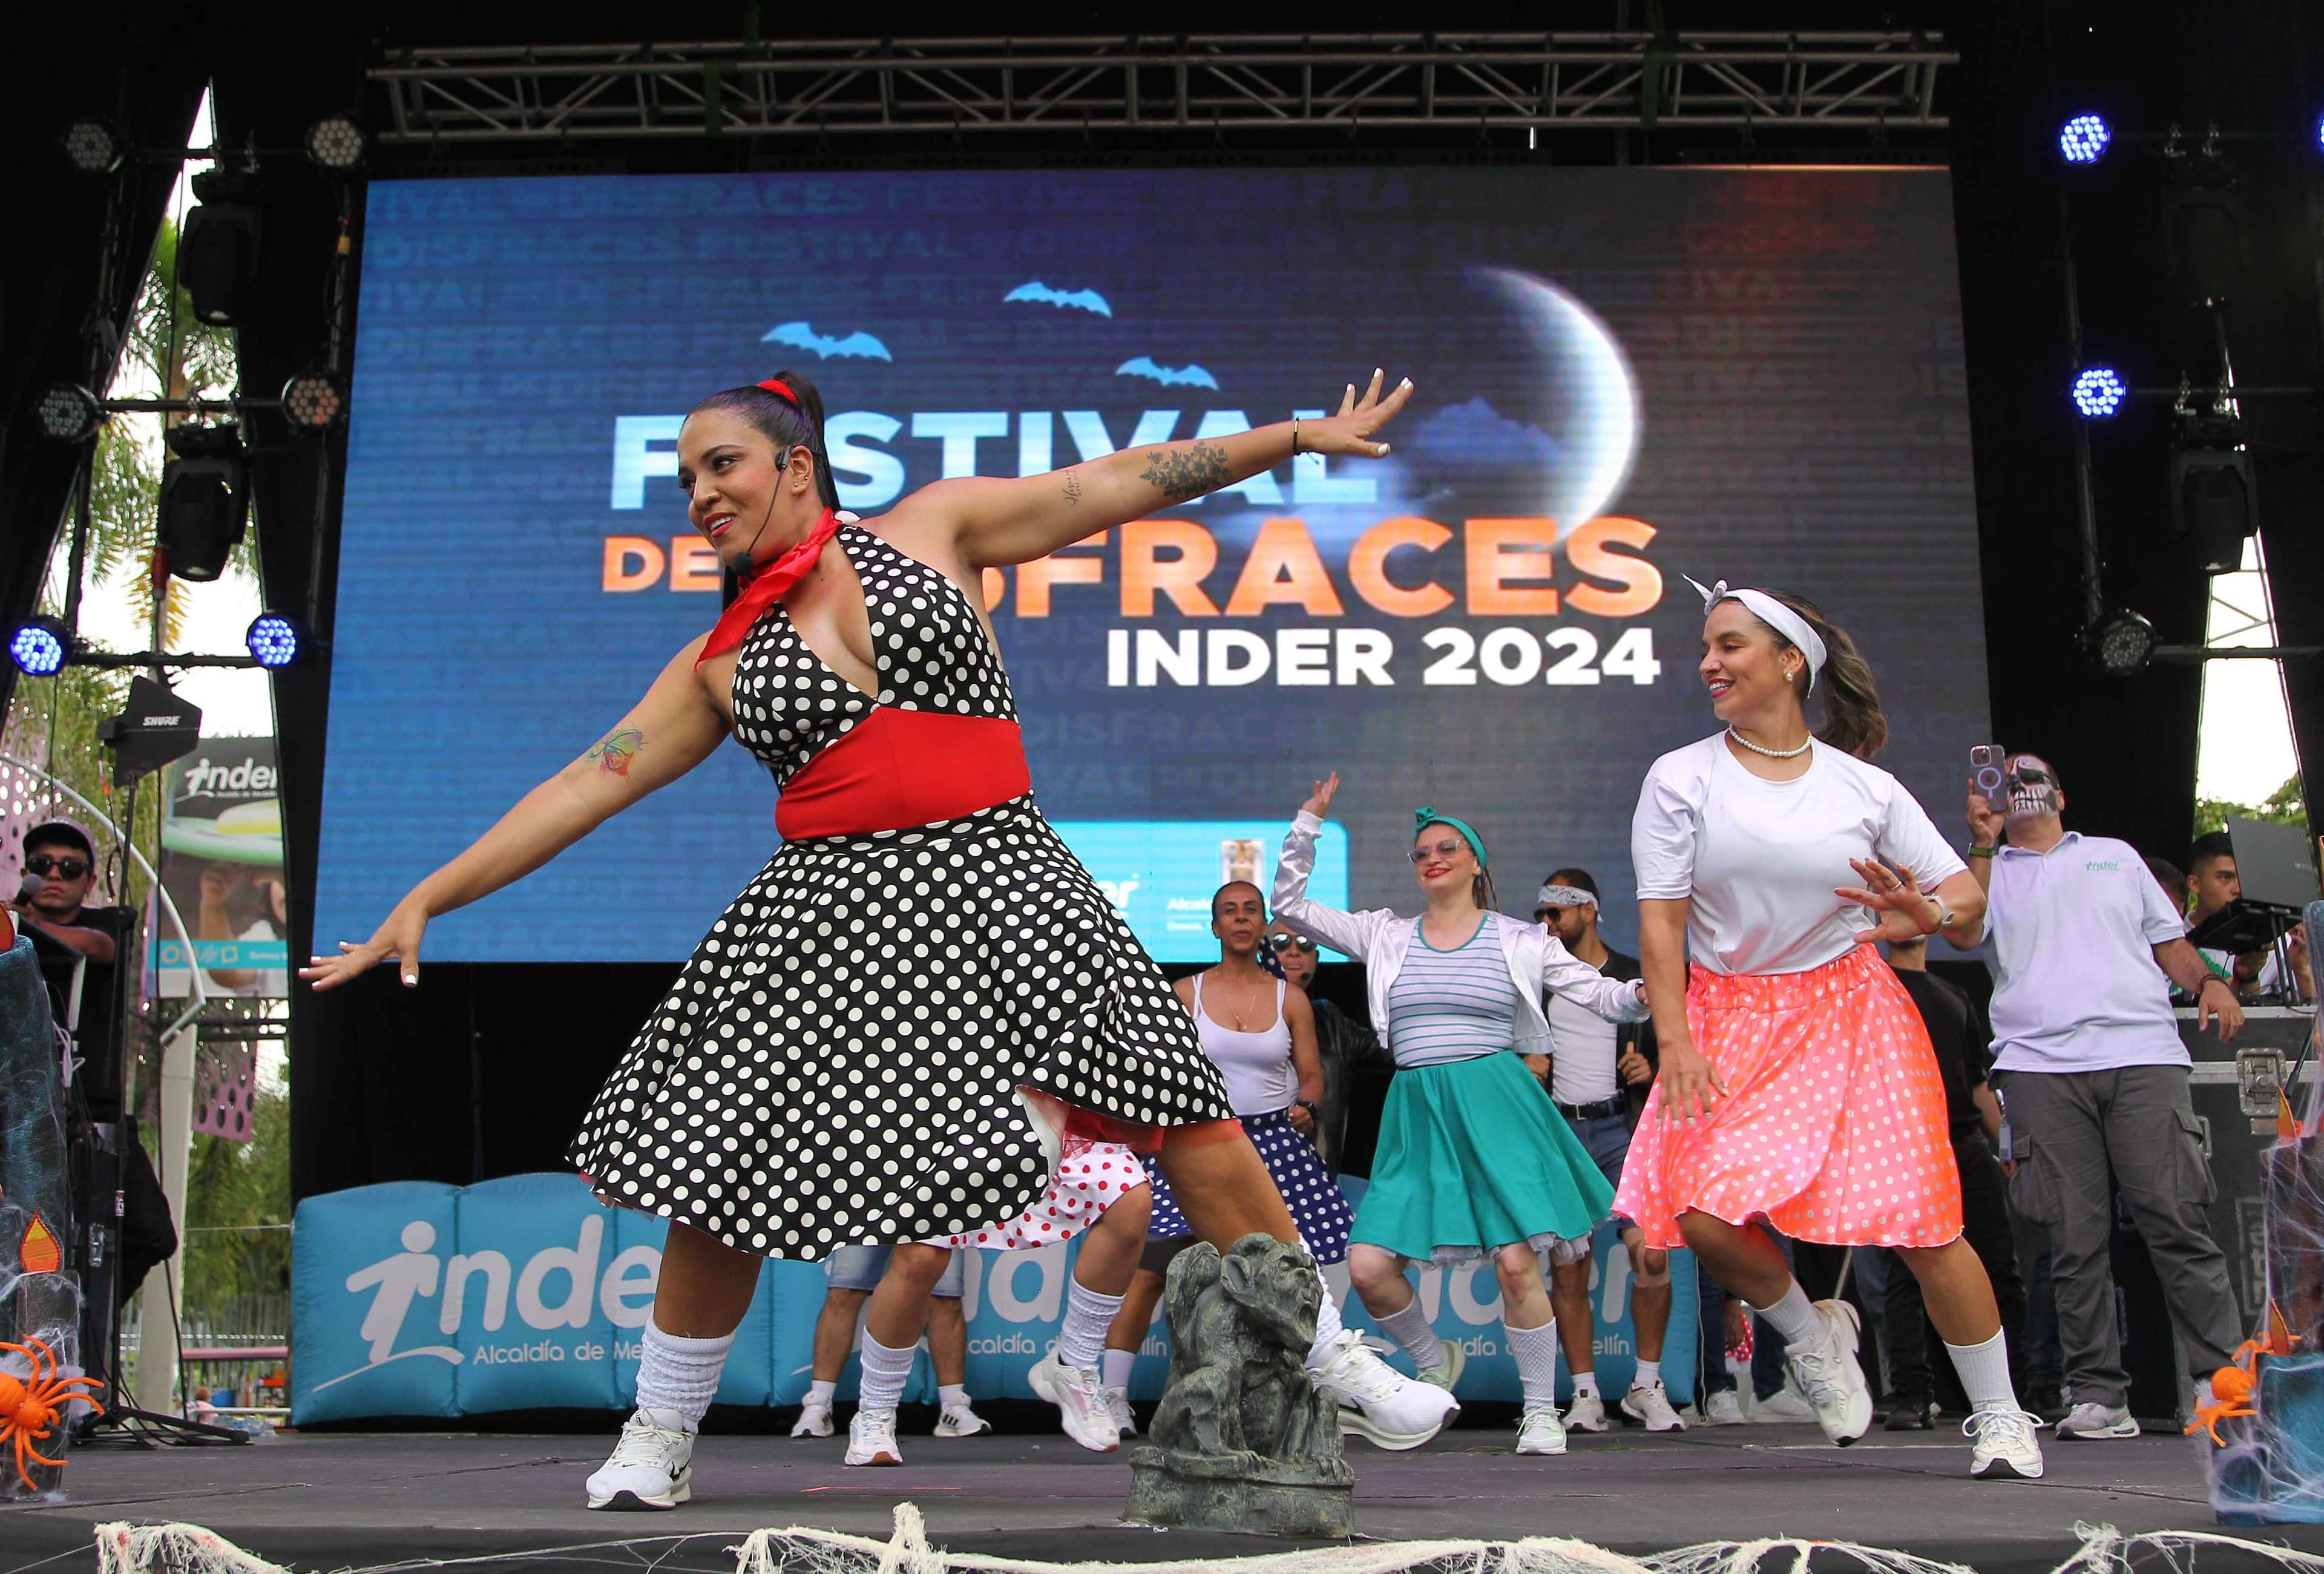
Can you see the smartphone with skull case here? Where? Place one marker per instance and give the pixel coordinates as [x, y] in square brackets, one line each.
[1988, 767]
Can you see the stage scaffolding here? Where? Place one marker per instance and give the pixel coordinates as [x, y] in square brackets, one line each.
[823, 89]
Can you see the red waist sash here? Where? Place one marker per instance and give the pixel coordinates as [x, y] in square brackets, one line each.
[898, 768]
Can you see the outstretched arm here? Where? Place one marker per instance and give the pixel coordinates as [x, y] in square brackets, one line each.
[672, 730]
[992, 522]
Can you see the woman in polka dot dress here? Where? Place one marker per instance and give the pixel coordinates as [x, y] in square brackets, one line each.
[1797, 1082]
[1261, 1033]
[892, 1031]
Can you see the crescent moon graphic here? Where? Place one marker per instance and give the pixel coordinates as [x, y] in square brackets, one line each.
[1586, 384]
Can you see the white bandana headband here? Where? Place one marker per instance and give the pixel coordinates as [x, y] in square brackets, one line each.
[1565, 897]
[1772, 612]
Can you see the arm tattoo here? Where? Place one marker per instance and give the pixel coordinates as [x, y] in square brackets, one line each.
[618, 750]
[1073, 487]
[1181, 473]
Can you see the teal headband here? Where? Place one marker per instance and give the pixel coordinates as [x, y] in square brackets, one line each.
[1422, 819]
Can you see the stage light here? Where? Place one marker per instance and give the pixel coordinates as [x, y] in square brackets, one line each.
[2213, 496]
[2099, 392]
[2084, 139]
[91, 147]
[217, 252]
[273, 641]
[39, 648]
[68, 414]
[2320, 130]
[2121, 642]
[336, 142]
[312, 401]
[204, 500]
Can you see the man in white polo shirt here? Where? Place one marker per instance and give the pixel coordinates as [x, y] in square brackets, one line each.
[2088, 1057]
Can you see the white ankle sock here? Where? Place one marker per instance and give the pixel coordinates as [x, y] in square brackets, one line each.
[884, 1373]
[1081, 1342]
[821, 1393]
[1119, 1365]
[1585, 1383]
[1535, 1350]
[1793, 1316]
[1649, 1373]
[1410, 1328]
[951, 1395]
[1327, 1318]
[680, 1375]
[1985, 1373]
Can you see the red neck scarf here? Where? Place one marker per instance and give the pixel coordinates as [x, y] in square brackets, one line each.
[766, 587]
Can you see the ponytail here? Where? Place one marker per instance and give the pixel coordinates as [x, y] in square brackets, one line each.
[1853, 721]
[787, 408]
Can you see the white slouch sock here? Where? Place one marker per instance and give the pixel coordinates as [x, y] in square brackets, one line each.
[680, 1375]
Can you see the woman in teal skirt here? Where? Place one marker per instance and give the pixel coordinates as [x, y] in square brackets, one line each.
[1473, 1161]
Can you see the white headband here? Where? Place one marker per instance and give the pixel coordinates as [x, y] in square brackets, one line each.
[1772, 612]
[1565, 897]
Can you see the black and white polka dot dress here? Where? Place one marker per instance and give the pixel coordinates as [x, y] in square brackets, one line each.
[840, 1062]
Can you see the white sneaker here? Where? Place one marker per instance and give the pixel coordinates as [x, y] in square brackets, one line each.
[2006, 1446]
[1785, 1405]
[961, 1421]
[1828, 1375]
[1079, 1394]
[1117, 1405]
[1539, 1431]
[1587, 1413]
[1375, 1403]
[1722, 1408]
[1652, 1405]
[2092, 1420]
[814, 1422]
[871, 1438]
[1445, 1370]
[651, 1467]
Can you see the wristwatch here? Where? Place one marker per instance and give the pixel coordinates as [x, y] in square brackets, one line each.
[1309, 1105]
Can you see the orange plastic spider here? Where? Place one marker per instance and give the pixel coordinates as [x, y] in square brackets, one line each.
[29, 1410]
[2232, 1388]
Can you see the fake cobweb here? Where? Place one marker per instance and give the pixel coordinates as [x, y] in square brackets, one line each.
[185, 1549]
[2265, 1445]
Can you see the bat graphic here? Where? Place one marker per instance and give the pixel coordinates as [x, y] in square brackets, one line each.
[1082, 299]
[800, 336]
[1168, 376]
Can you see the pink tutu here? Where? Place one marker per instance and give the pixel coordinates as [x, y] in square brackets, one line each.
[1090, 1178]
[1832, 1126]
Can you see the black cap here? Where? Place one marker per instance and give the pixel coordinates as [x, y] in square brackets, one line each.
[52, 831]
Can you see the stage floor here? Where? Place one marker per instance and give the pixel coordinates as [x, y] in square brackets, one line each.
[342, 1500]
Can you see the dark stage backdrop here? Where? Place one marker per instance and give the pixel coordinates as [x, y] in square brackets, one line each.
[1623, 376]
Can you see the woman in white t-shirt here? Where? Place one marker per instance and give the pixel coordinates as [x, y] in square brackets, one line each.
[1797, 1082]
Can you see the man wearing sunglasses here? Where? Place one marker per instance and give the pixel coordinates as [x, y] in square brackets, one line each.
[1342, 1043]
[60, 854]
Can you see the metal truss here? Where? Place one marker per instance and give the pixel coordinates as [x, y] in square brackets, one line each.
[819, 89]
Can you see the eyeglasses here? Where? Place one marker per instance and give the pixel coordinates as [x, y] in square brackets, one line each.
[64, 869]
[1442, 850]
[1285, 942]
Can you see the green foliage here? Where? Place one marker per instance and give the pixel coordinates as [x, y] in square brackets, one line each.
[232, 1186]
[2283, 806]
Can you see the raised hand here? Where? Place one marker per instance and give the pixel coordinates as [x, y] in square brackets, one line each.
[398, 937]
[1889, 890]
[1350, 430]
[1984, 825]
[1319, 802]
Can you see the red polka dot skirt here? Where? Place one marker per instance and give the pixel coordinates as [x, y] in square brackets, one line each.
[1090, 1178]
[1832, 1126]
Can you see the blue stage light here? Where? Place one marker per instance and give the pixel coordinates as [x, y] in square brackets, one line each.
[2084, 138]
[38, 648]
[273, 641]
[2320, 130]
[2099, 392]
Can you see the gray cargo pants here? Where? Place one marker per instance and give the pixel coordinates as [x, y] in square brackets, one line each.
[2135, 1127]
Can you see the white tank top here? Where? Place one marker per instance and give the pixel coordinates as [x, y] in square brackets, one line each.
[1256, 1066]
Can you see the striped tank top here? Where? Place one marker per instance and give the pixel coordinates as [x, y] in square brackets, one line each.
[1451, 1005]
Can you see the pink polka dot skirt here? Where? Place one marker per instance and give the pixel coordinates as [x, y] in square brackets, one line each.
[1090, 1178]
[1832, 1126]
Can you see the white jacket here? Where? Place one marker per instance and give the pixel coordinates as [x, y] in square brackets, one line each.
[1378, 939]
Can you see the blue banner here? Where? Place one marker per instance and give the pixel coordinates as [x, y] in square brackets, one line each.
[420, 1299]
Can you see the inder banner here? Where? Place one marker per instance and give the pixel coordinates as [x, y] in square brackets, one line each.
[526, 1293]
[222, 864]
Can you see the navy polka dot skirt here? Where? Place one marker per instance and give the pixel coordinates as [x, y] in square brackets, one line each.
[1318, 1207]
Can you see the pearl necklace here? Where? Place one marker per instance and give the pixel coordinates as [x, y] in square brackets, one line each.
[1770, 753]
